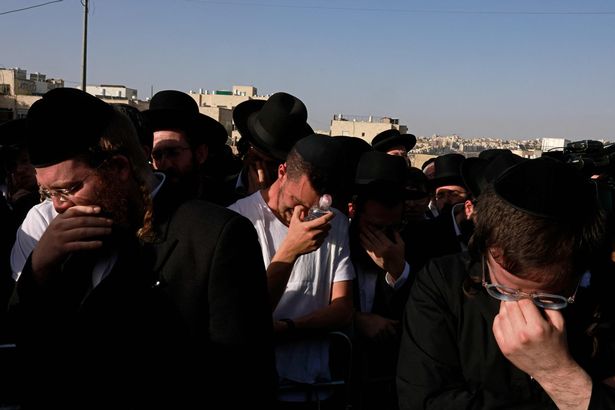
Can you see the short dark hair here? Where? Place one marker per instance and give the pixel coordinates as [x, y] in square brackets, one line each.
[563, 251]
[321, 180]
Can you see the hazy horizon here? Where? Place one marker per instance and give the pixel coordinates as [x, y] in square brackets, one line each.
[520, 70]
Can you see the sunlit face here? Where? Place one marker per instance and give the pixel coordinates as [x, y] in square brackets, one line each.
[88, 187]
[293, 193]
[172, 154]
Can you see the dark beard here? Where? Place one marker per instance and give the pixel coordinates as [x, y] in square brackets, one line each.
[186, 184]
[115, 203]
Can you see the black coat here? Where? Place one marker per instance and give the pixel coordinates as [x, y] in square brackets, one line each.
[182, 322]
[449, 358]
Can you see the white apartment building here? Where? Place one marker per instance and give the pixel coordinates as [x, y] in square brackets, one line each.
[364, 127]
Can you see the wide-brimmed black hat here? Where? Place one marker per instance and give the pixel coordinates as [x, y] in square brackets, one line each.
[172, 109]
[13, 133]
[64, 123]
[391, 138]
[547, 188]
[381, 174]
[447, 171]
[477, 173]
[273, 126]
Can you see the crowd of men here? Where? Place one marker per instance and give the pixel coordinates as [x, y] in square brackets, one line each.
[147, 265]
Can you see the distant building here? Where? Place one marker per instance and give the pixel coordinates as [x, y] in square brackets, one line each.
[18, 92]
[111, 92]
[363, 127]
[14, 81]
[553, 144]
[219, 104]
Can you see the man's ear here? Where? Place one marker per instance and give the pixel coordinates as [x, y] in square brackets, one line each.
[468, 208]
[497, 253]
[201, 153]
[281, 170]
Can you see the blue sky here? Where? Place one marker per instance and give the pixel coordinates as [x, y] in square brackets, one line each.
[513, 69]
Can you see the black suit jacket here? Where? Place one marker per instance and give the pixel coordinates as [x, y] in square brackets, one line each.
[449, 358]
[181, 322]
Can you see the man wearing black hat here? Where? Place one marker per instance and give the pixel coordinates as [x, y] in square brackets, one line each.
[514, 323]
[268, 131]
[382, 284]
[309, 272]
[142, 302]
[183, 141]
[393, 142]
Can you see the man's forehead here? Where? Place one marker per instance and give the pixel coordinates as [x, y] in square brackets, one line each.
[60, 173]
[169, 135]
[302, 189]
[450, 188]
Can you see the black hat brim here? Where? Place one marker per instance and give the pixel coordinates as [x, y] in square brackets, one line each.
[206, 129]
[255, 138]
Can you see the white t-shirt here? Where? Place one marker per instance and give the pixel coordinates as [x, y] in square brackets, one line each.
[309, 286]
[32, 228]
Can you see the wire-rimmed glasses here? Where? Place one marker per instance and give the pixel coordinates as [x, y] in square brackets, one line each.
[64, 194]
[541, 299]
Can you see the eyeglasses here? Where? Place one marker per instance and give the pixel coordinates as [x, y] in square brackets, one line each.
[170, 152]
[64, 194]
[540, 299]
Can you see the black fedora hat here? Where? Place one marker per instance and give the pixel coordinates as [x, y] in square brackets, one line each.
[64, 123]
[175, 109]
[478, 172]
[447, 170]
[548, 188]
[391, 138]
[381, 174]
[273, 126]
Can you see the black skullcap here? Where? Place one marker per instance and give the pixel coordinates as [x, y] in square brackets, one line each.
[64, 123]
[325, 155]
[547, 188]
